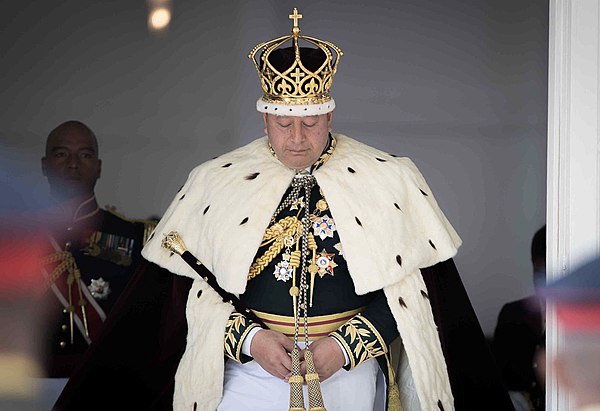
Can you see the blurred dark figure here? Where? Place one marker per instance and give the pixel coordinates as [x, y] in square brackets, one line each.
[577, 364]
[520, 332]
[94, 251]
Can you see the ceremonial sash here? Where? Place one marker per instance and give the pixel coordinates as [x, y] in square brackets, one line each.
[318, 326]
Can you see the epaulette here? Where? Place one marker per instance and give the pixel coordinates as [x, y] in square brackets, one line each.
[149, 223]
[149, 226]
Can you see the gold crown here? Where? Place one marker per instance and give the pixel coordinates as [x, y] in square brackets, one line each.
[296, 85]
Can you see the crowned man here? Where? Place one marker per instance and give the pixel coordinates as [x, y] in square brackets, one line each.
[338, 249]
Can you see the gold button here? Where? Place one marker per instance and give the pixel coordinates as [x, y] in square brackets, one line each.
[63, 344]
[64, 311]
[321, 205]
[64, 327]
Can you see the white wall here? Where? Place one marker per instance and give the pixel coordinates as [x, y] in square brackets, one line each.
[460, 86]
[573, 158]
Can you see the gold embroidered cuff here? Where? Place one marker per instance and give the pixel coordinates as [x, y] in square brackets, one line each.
[237, 328]
[360, 340]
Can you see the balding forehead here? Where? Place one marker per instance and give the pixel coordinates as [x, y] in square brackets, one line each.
[71, 130]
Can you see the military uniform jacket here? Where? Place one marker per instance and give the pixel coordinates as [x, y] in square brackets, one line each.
[105, 250]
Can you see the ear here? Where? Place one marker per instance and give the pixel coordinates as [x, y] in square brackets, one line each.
[329, 118]
[265, 122]
[44, 166]
[99, 167]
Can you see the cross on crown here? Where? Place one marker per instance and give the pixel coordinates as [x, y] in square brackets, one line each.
[295, 16]
[296, 85]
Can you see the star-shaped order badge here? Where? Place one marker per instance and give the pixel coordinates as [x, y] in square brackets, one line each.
[325, 263]
[99, 289]
[283, 271]
[323, 226]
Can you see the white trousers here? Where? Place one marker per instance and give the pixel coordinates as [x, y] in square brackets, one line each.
[249, 387]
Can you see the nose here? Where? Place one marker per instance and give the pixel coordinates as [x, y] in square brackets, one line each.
[73, 161]
[297, 132]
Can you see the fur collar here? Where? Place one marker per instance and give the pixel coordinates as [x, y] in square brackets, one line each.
[387, 218]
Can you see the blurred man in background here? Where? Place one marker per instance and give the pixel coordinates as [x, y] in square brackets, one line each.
[94, 251]
[520, 331]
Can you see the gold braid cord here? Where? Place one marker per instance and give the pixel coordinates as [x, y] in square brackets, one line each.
[284, 235]
[287, 227]
[66, 261]
[68, 265]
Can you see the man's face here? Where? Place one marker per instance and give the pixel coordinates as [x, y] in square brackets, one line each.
[298, 141]
[71, 163]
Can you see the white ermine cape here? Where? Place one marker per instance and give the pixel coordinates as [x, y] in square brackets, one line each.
[224, 208]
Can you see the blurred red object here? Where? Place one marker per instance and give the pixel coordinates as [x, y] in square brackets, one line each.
[20, 264]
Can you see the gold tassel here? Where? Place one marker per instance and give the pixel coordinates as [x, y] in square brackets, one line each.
[296, 382]
[393, 393]
[315, 399]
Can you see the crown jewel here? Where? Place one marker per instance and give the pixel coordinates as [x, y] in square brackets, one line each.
[302, 82]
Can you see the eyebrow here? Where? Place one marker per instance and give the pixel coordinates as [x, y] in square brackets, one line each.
[56, 148]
